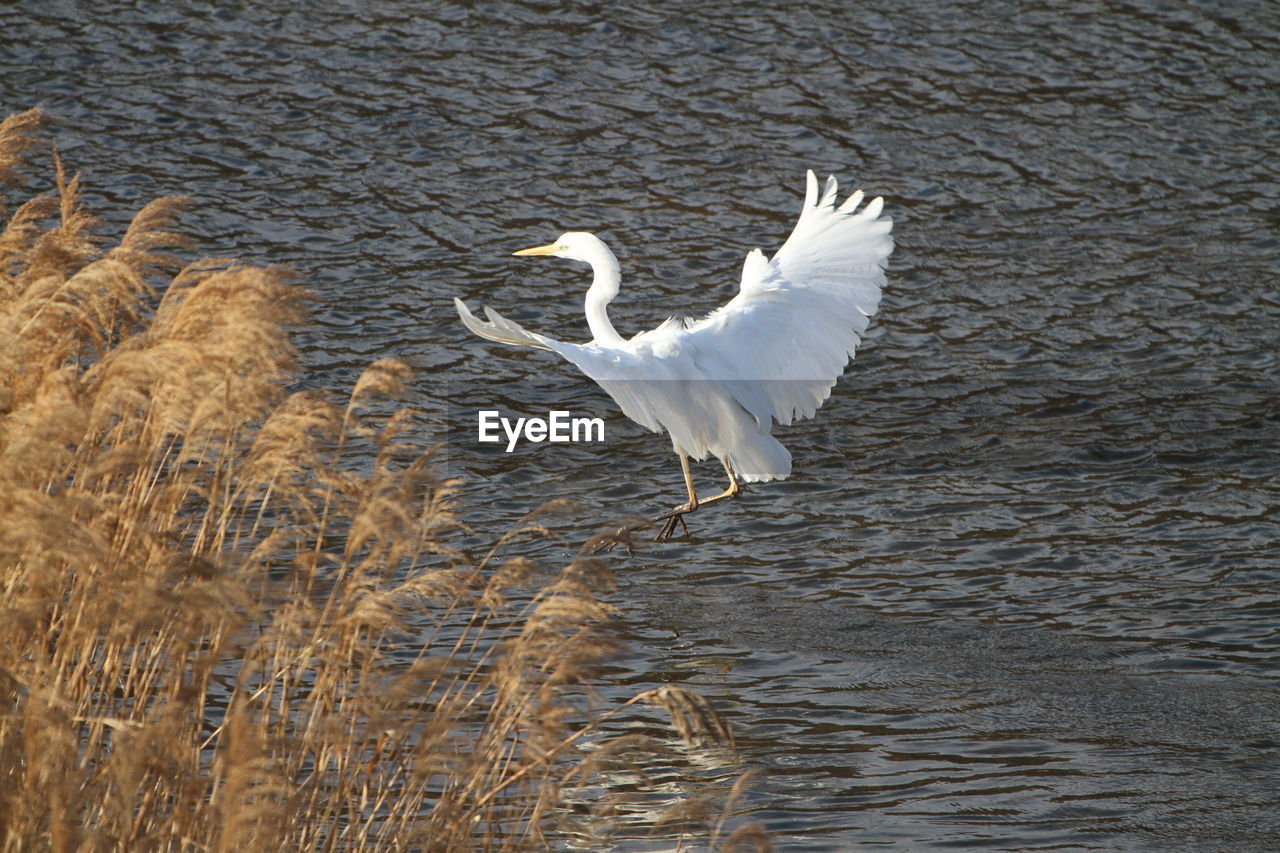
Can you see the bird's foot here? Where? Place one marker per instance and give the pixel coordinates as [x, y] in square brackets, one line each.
[671, 519]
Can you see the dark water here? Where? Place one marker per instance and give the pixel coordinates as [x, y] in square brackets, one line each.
[1021, 592]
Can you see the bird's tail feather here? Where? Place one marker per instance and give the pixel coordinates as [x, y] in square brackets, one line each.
[761, 458]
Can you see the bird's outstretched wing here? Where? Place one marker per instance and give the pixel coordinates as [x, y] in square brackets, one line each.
[780, 344]
[615, 371]
[501, 329]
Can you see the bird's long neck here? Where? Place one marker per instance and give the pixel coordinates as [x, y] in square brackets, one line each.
[604, 287]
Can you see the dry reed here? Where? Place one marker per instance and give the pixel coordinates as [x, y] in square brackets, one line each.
[231, 616]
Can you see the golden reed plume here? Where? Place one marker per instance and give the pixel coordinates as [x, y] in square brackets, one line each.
[232, 619]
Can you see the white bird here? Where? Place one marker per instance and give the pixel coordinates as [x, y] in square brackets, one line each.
[771, 354]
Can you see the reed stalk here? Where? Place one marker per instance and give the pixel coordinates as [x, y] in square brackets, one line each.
[233, 618]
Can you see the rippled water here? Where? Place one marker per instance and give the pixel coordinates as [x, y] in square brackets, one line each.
[1021, 591]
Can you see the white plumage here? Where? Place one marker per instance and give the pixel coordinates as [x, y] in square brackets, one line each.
[772, 353]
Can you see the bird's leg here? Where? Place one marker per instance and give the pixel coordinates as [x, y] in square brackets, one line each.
[676, 516]
[734, 485]
[670, 519]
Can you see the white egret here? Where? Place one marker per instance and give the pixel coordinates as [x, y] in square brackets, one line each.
[771, 354]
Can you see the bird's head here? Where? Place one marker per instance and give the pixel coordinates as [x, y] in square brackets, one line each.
[575, 245]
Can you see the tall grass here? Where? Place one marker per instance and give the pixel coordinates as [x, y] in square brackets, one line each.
[230, 617]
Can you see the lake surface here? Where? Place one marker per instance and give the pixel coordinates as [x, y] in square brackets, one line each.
[1022, 590]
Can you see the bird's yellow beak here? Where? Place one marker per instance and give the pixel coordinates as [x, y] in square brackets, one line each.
[549, 249]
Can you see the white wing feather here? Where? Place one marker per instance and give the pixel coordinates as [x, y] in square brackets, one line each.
[500, 329]
[782, 342]
[615, 370]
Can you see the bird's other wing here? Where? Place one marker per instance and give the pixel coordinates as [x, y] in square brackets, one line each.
[781, 343]
[615, 371]
[501, 329]
[647, 390]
